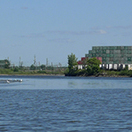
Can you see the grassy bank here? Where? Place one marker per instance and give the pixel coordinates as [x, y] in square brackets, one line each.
[101, 73]
[30, 72]
[121, 73]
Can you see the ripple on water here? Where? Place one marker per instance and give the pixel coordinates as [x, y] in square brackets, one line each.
[66, 110]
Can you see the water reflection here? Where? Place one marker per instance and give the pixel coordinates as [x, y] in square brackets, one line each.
[70, 83]
[66, 104]
[92, 84]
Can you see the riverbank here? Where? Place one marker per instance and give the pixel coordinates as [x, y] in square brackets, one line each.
[62, 75]
[17, 75]
[102, 73]
[8, 72]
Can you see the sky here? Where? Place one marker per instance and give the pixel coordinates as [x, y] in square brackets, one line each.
[53, 29]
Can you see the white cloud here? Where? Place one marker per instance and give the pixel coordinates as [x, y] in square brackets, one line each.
[39, 35]
[92, 32]
[61, 40]
[69, 32]
[119, 27]
[102, 32]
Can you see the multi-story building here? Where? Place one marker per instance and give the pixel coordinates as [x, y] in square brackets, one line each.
[113, 57]
[4, 64]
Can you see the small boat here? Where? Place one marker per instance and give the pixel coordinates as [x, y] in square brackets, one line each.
[10, 80]
[15, 80]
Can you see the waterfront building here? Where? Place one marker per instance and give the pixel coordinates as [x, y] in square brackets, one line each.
[83, 62]
[4, 63]
[113, 57]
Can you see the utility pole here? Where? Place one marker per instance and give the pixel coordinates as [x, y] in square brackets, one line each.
[35, 61]
[19, 61]
[39, 65]
[46, 62]
[52, 68]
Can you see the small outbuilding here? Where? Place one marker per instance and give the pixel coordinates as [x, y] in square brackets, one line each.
[4, 63]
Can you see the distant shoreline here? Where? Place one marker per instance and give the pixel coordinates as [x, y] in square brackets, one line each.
[57, 75]
[31, 75]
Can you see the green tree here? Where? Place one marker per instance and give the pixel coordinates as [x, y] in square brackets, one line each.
[72, 63]
[95, 69]
[89, 70]
[43, 67]
[16, 69]
[93, 66]
[93, 61]
[32, 67]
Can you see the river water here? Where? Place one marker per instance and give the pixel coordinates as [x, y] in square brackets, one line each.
[66, 104]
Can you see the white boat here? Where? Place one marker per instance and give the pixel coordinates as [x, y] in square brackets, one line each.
[10, 80]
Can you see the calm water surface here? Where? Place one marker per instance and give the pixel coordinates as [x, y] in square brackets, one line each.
[66, 104]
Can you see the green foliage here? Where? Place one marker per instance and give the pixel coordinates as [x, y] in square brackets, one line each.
[84, 62]
[66, 71]
[72, 61]
[42, 72]
[32, 67]
[93, 61]
[16, 69]
[7, 66]
[89, 70]
[116, 73]
[5, 71]
[43, 67]
[95, 69]
[126, 68]
[125, 73]
[49, 68]
[81, 72]
[93, 66]
[72, 65]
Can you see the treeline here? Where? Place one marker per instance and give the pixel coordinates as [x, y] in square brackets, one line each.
[116, 73]
[16, 70]
[91, 68]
